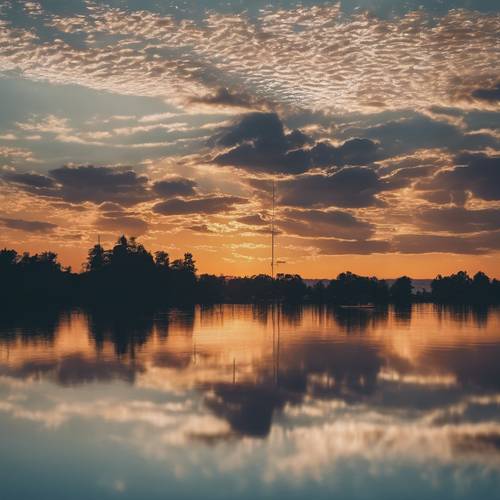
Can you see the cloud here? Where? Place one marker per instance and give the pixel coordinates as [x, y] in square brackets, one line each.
[327, 224]
[345, 247]
[402, 177]
[86, 183]
[353, 152]
[224, 98]
[263, 145]
[349, 187]
[208, 205]
[123, 224]
[28, 225]
[253, 220]
[422, 132]
[100, 184]
[425, 243]
[458, 219]
[116, 187]
[50, 124]
[490, 95]
[115, 219]
[200, 228]
[264, 128]
[16, 155]
[300, 56]
[29, 179]
[175, 187]
[478, 174]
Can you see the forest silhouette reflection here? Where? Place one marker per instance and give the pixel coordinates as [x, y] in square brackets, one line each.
[249, 364]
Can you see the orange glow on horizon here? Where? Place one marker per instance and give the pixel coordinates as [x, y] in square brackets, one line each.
[221, 261]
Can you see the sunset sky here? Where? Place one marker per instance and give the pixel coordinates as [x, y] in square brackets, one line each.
[378, 121]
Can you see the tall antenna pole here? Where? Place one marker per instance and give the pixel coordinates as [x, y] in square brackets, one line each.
[272, 230]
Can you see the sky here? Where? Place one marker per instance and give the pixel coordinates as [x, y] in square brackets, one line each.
[377, 121]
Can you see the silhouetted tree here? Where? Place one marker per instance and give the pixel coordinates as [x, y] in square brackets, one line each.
[455, 288]
[290, 288]
[352, 289]
[481, 288]
[189, 263]
[211, 289]
[162, 259]
[401, 290]
[96, 259]
[317, 293]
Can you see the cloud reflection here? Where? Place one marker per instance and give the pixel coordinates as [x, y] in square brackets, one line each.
[308, 388]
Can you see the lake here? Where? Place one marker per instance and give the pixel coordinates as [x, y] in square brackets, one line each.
[251, 402]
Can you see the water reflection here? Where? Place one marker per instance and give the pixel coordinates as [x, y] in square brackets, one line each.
[313, 385]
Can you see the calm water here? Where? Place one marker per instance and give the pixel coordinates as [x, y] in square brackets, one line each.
[246, 402]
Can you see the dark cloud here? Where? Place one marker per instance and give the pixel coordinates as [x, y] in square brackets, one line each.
[209, 205]
[200, 228]
[477, 120]
[352, 152]
[443, 196]
[482, 243]
[264, 128]
[422, 132]
[459, 219]
[256, 157]
[100, 184]
[29, 179]
[404, 176]
[489, 95]
[253, 220]
[223, 97]
[446, 111]
[259, 143]
[175, 187]
[125, 224]
[333, 223]
[86, 183]
[478, 174]
[119, 186]
[343, 247]
[422, 243]
[349, 187]
[27, 225]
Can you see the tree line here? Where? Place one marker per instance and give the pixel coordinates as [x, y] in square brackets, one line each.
[129, 274]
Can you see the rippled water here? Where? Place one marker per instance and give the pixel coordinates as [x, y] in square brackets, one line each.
[249, 402]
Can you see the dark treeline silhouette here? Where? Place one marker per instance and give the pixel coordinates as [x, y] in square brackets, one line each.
[33, 278]
[460, 288]
[131, 275]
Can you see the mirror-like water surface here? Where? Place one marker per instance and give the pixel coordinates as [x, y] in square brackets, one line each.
[251, 402]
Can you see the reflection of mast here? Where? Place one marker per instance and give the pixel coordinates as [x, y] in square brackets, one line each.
[273, 239]
[278, 351]
[276, 342]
